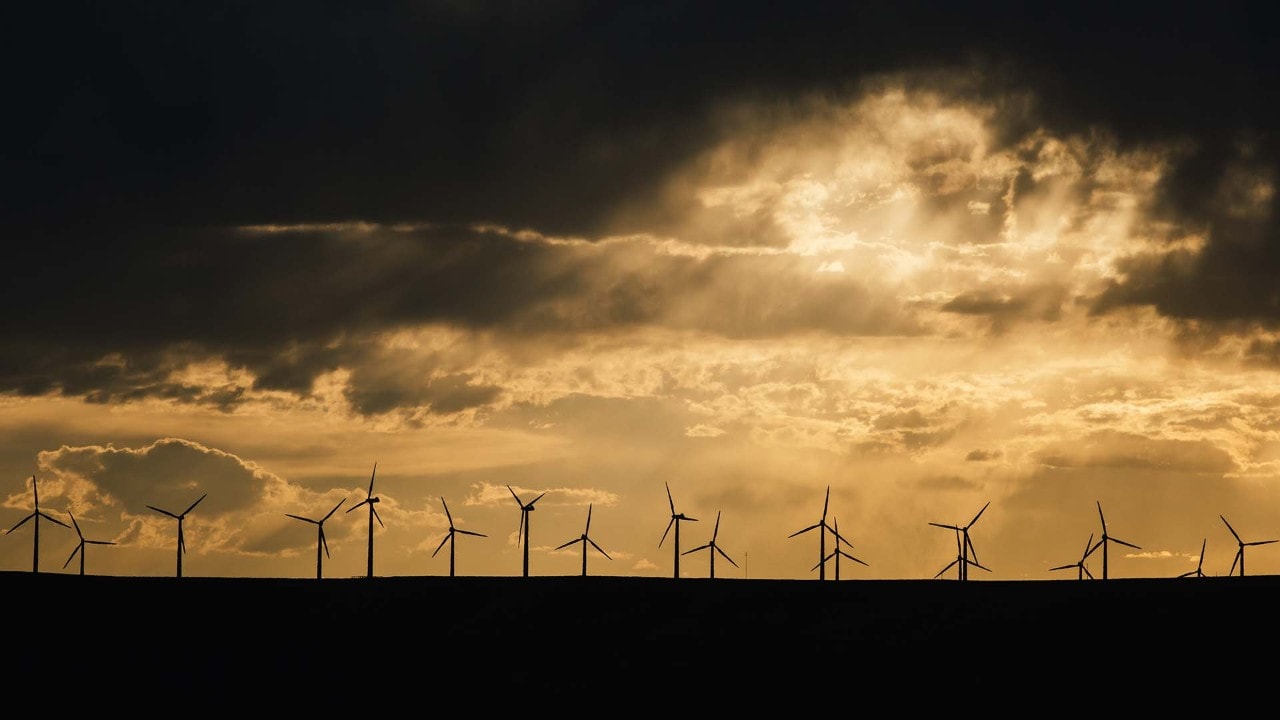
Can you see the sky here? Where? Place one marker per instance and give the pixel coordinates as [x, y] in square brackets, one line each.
[1006, 266]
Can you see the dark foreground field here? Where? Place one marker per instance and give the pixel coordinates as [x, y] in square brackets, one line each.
[428, 642]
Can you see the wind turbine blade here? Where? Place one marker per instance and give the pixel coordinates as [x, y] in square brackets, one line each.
[194, 504]
[700, 547]
[571, 542]
[597, 547]
[442, 542]
[1235, 562]
[588, 521]
[1086, 572]
[334, 510]
[1092, 549]
[670, 502]
[1063, 567]
[165, 512]
[811, 527]
[517, 497]
[20, 523]
[299, 517]
[468, 532]
[52, 519]
[1127, 544]
[374, 509]
[948, 567]
[371, 476]
[446, 511]
[73, 522]
[1263, 542]
[531, 502]
[664, 532]
[100, 542]
[975, 517]
[948, 527]
[182, 540]
[716, 531]
[725, 556]
[73, 554]
[353, 507]
[826, 503]
[1233, 530]
[323, 542]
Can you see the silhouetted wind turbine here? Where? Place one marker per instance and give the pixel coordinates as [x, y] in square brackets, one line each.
[676, 519]
[838, 551]
[1240, 553]
[321, 543]
[1199, 571]
[372, 502]
[182, 540]
[712, 548]
[448, 538]
[80, 547]
[966, 545]
[1089, 547]
[822, 527]
[525, 509]
[1108, 539]
[36, 515]
[962, 559]
[585, 541]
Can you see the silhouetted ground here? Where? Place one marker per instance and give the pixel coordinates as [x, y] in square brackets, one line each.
[426, 643]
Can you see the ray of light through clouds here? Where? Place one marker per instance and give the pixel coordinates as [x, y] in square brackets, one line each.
[917, 290]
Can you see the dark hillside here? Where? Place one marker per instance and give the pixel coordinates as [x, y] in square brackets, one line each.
[318, 643]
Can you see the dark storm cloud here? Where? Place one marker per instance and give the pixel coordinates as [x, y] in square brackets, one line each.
[289, 306]
[1033, 303]
[137, 134]
[546, 114]
[1114, 449]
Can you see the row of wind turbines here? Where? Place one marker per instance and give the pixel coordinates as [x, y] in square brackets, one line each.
[966, 554]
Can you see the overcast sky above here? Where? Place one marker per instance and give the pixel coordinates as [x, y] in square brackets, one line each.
[933, 258]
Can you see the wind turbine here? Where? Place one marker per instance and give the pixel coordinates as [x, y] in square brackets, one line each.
[839, 551]
[822, 527]
[1240, 553]
[448, 538]
[712, 548]
[584, 540]
[372, 501]
[182, 541]
[320, 541]
[1107, 539]
[1199, 571]
[962, 559]
[525, 509]
[83, 542]
[1089, 547]
[966, 548]
[36, 514]
[676, 519]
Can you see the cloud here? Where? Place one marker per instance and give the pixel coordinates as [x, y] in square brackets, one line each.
[1112, 449]
[238, 505]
